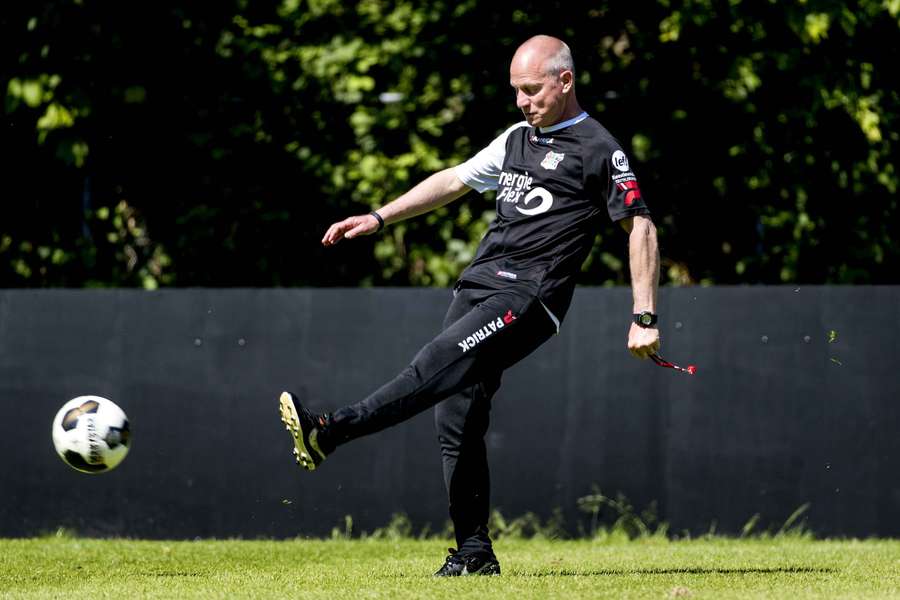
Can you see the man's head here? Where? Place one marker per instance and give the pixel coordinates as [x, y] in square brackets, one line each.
[543, 76]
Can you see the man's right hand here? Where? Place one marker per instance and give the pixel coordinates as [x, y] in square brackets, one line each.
[350, 227]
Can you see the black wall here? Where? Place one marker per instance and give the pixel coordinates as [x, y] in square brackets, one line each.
[776, 416]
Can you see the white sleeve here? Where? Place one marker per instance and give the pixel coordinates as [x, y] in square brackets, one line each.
[482, 171]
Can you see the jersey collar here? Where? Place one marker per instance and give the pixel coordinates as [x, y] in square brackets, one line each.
[568, 123]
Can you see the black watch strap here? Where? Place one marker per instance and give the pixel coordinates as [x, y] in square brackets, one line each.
[645, 319]
[379, 219]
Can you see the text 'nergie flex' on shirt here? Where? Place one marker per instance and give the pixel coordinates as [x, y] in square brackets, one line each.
[552, 184]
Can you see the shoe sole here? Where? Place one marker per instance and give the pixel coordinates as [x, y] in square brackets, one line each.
[488, 570]
[291, 421]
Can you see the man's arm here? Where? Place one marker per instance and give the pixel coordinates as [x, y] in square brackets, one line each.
[643, 258]
[439, 189]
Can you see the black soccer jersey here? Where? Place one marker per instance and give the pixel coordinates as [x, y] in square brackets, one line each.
[552, 186]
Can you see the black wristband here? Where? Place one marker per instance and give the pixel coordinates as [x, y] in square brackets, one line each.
[380, 220]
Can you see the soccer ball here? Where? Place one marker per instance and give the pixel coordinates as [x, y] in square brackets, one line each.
[91, 434]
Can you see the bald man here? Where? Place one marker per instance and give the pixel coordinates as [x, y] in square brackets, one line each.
[557, 174]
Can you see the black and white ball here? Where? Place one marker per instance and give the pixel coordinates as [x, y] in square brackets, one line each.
[91, 434]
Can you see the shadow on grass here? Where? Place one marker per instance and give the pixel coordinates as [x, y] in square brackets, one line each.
[674, 571]
[677, 571]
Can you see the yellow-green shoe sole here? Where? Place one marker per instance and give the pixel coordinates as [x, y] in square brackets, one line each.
[291, 421]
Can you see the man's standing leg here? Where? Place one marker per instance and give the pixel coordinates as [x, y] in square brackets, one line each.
[462, 422]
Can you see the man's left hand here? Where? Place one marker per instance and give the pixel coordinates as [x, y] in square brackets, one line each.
[643, 341]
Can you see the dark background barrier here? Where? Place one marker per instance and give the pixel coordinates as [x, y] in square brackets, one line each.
[777, 416]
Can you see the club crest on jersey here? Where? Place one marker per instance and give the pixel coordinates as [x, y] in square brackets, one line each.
[552, 160]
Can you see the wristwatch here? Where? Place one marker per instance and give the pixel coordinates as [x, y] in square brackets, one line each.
[645, 319]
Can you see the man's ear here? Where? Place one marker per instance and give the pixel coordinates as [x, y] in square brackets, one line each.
[567, 80]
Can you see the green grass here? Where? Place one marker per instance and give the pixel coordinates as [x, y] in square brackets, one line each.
[783, 567]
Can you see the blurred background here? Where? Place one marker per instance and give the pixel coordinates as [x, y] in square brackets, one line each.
[174, 144]
[154, 144]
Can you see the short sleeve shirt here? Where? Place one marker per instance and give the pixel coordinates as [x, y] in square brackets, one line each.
[553, 185]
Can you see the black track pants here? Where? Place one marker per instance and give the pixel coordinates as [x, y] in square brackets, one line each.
[485, 332]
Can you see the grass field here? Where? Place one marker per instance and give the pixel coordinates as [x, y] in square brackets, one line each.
[318, 569]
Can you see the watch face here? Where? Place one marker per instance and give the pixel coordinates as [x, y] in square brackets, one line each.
[646, 318]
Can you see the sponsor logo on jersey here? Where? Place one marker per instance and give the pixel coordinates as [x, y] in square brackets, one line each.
[516, 189]
[552, 160]
[507, 274]
[514, 182]
[620, 161]
[544, 205]
[541, 140]
[486, 331]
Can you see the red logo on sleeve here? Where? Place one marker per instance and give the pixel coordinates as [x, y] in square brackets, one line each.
[632, 189]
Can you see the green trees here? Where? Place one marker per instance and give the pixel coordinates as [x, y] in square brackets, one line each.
[168, 144]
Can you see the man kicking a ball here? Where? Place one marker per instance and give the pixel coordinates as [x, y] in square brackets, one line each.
[554, 173]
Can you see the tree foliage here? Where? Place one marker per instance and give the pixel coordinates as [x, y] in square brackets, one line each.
[172, 143]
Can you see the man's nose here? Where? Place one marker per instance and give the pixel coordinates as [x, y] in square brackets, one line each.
[521, 99]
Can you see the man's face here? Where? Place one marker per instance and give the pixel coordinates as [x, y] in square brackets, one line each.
[539, 96]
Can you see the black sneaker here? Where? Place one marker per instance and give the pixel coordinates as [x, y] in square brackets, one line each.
[304, 428]
[457, 565]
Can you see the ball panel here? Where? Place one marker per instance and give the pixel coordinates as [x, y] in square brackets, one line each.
[77, 462]
[70, 420]
[118, 436]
